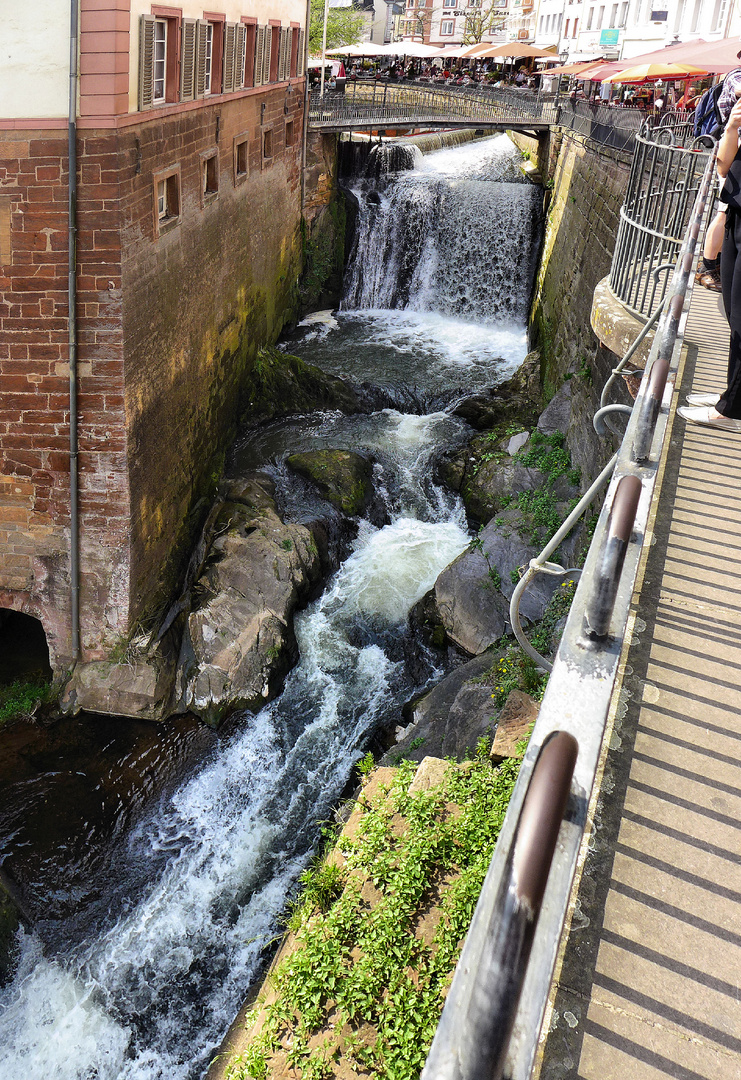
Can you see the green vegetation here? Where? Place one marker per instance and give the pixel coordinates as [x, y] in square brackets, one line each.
[344, 27]
[22, 698]
[366, 983]
[549, 454]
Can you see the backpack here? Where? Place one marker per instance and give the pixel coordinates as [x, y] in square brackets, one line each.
[708, 118]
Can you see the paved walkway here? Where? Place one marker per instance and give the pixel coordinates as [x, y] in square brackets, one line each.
[650, 984]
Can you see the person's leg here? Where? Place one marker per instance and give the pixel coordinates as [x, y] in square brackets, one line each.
[730, 272]
[708, 272]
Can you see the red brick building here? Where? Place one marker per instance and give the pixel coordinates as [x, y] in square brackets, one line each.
[188, 140]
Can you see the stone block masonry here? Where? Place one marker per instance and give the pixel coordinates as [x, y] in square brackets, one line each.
[169, 315]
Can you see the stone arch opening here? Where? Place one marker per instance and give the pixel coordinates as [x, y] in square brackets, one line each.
[24, 650]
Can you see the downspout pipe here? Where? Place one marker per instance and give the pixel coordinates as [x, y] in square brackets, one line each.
[74, 555]
[305, 126]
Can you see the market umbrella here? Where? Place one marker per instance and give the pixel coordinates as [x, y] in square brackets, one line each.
[366, 48]
[651, 72]
[719, 56]
[509, 49]
[571, 69]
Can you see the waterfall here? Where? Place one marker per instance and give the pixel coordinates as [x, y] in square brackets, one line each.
[434, 239]
[145, 984]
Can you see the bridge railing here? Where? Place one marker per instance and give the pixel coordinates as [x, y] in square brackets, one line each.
[383, 103]
[494, 1010]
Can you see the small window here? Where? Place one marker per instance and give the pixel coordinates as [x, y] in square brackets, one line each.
[166, 200]
[590, 18]
[289, 133]
[241, 157]
[267, 144]
[209, 176]
[447, 26]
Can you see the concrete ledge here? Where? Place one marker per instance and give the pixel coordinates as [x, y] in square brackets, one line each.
[615, 326]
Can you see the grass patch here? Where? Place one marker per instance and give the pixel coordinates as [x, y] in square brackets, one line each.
[22, 697]
[364, 984]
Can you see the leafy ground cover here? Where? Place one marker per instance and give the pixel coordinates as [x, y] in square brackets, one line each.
[378, 929]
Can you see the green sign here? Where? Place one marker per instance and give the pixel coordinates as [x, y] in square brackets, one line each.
[609, 37]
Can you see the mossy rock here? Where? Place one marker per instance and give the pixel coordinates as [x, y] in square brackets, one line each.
[344, 478]
[279, 384]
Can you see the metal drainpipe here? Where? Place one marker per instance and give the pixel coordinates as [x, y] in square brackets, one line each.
[306, 106]
[74, 555]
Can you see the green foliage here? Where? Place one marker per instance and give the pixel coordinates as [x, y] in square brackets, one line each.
[365, 765]
[416, 743]
[358, 966]
[287, 544]
[516, 671]
[549, 454]
[344, 27]
[558, 606]
[22, 698]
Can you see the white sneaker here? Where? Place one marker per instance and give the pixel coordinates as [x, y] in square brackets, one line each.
[702, 416]
[703, 399]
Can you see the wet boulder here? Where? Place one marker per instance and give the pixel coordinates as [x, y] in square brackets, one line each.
[449, 720]
[278, 384]
[238, 642]
[557, 414]
[137, 685]
[343, 477]
[10, 920]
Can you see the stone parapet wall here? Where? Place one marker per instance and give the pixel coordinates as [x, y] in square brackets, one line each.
[585, 187]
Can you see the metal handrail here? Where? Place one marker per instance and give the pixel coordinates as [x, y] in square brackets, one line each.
[576, 703]
[489, 999]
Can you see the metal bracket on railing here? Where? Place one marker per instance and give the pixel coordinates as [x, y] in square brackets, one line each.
[485, 992]
[598, 419]
[598, 608]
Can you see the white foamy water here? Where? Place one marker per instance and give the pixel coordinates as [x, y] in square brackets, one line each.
[152, 997]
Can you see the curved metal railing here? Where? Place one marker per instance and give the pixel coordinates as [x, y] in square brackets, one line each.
[493, 1014]
[667, 170]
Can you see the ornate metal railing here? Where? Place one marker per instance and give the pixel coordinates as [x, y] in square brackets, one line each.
[379, 104]
[386, 104]
[667, 170]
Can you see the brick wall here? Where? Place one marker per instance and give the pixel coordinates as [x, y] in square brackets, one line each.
[34, 393]
[198, 302]
[166, 326]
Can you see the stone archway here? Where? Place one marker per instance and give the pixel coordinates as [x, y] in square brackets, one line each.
[24, 650]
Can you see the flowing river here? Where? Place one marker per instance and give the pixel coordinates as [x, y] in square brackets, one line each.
[158, 860]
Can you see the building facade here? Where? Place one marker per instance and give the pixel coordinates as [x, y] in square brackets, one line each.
[188, 202]
[621, 29]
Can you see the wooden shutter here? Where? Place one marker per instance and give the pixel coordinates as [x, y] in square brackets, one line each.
[201, 47]
[228, 75]
[259, 54]
[266, 55]
[188, 61]
[301, 57]
[146, 61]
[239, 55]
[284, 55]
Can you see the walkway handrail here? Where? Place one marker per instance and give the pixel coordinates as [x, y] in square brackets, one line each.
[576, 703]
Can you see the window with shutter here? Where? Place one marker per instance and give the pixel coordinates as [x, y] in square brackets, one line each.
[300, 59]
[249, 53]
[203, 57]
[266, 55]
[260, 54]
[188, 61]
[146, 61]
[239, 55]
[228, 78]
